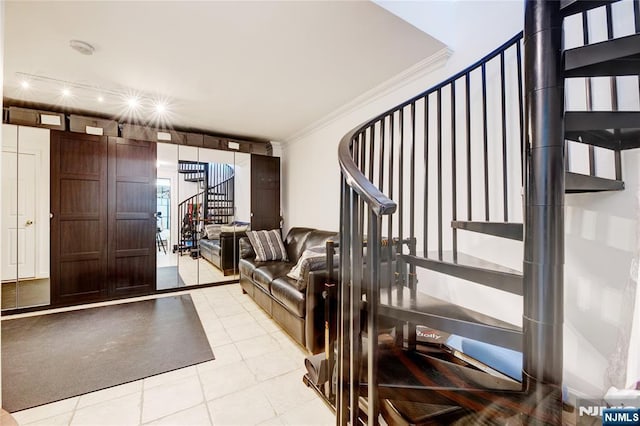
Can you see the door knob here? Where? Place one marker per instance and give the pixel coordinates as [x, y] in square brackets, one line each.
[29, 222]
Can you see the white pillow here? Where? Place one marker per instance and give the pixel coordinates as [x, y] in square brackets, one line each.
[213, 231]
[312, 259]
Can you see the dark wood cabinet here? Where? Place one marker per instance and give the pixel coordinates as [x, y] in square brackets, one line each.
[265, 192]
[103, 205]
[79, 223]
[103, 224]
[132, 223]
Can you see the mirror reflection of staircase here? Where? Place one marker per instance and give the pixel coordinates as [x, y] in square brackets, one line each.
[212, 204]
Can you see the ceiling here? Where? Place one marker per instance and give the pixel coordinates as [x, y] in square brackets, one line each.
[264, 69]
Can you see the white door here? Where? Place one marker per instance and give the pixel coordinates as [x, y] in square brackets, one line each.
[18, 215]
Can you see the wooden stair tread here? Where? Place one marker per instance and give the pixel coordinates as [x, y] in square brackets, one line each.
[410, 376]
[423, 309]
[601, 120]
[510, 230]
[571, 7]
[622, 139]
[470, 268]
[615, 57]
[576, 183]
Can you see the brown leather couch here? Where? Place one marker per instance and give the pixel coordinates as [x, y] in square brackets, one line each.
[222, 252]
[297, 306]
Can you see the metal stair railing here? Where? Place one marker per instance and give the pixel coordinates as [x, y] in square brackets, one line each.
[470, 154]
[385, 150]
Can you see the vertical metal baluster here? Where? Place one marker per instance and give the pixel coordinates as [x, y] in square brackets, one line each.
[412, 177]
[356, 298]
[371, 161]
[373, 297]
[636, 21]
[520, 108]
[411, 327]
[372, 142]
[505, 184]
[485, 142]
[467, 101]
[613, 81]
[439, 168]
[454, 178]
[363, 160]
[343, 318]
[381, 166]
[354, 149]
[401, 176]
[426, 177]
[390, 218]
[381, 154]
[588, 93]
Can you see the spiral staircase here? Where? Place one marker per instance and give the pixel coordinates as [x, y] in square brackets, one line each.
[485, 151]
[214, 203]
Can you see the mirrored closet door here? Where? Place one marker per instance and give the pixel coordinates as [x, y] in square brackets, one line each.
[203, 205]
[25, 217]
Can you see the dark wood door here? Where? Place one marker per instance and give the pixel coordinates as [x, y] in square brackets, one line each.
[132, 222]
[79, 223]
[265, 192]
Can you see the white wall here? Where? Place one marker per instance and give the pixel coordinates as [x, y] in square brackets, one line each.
[310, 161]
[601, 240]
[167, 168]
[242, 186]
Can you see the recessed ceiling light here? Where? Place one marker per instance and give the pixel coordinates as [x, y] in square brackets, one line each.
[100, 99]
[161, 107]
[66, 92]
[132, 102]
[24, 84]
[82, 47]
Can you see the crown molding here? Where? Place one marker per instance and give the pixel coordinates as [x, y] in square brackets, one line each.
[413, 73]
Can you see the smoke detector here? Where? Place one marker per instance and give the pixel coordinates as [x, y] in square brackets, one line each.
[82, 47]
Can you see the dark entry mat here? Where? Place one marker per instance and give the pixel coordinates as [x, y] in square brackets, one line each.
[56, 356]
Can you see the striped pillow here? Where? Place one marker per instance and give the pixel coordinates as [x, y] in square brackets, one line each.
[268, 245]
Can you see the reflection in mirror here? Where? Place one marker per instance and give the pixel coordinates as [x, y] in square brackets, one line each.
[167, 217]
[217, 239]
[25, 217]
[242, 199]
[203, 208]
[191, 176]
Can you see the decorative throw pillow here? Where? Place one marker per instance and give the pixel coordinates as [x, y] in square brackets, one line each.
[268, 245]
[213, 231]
[312, 259]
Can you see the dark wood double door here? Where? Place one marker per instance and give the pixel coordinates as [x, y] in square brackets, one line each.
[103, 225]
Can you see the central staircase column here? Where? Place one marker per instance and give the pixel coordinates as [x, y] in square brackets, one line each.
[544, 211]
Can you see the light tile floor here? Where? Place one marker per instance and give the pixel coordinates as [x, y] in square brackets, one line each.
[256, 378]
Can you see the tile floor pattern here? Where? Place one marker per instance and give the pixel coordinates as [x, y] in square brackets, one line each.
[256, 379]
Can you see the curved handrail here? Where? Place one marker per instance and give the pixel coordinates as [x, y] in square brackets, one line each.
[378, 201]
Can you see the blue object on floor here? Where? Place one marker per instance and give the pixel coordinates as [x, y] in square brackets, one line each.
[503, 360]
[506, 361]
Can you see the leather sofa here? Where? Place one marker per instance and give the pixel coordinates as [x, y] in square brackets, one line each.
[296, 306]
[222, 252]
